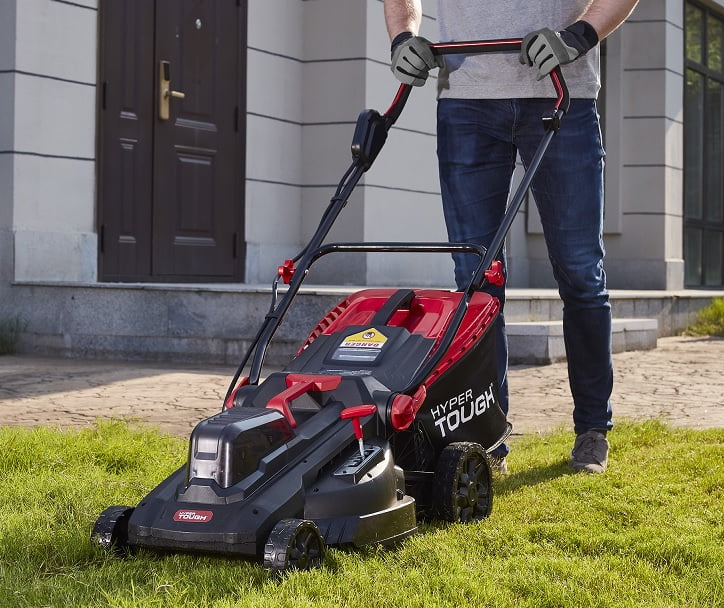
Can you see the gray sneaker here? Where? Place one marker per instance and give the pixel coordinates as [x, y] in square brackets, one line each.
[590, 452]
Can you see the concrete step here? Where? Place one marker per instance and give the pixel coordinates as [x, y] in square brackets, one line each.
[541, 342]
[215, 323]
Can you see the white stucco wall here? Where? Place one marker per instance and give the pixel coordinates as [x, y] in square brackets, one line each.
[402, 188]
[307, 85]
[53, 145]
[7, 138]
[648, 252]
[274, 135]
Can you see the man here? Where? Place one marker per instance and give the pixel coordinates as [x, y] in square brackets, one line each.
[490, 109]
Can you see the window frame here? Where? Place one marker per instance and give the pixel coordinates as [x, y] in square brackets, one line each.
[697, 229]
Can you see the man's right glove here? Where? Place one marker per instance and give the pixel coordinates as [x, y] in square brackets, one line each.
[412, 59]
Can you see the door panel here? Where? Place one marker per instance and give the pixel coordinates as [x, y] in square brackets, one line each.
[191, 201]
[195, 153]
[125, 133]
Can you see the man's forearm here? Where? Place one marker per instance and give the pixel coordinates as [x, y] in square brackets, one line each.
[403, 16]
[606, 15]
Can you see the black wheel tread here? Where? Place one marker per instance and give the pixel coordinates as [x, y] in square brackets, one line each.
[294, 544]
[110, 530]
[462, 486]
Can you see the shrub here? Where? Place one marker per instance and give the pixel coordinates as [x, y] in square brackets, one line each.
[709, 321]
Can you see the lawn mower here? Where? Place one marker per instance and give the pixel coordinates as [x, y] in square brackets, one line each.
[384, 416]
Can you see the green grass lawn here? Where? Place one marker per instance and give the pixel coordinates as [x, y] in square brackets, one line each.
[650, 532]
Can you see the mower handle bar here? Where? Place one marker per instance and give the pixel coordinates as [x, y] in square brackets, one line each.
[486, 46]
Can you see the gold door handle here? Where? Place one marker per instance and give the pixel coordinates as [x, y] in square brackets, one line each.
[165, 93]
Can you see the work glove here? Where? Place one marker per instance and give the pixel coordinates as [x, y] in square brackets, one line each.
[546, 49]
[412, 59]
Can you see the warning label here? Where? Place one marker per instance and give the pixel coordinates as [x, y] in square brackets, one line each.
[369, 338]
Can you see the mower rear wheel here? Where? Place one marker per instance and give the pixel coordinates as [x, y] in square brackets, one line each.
[111, 529]
[462, 485]
[294, 544]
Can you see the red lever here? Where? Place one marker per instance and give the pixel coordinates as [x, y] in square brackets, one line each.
[495, 273]
[286, 271]
[298, 385]
[405, 407]
[355, 413]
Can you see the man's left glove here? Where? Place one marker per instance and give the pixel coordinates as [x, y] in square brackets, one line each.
[546, 49]
[412, 59]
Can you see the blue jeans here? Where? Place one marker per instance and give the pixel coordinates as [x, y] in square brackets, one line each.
[477, 145]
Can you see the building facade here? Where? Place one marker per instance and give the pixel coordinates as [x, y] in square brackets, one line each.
[199, 141]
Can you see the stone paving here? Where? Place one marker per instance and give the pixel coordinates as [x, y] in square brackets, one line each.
[681, 382]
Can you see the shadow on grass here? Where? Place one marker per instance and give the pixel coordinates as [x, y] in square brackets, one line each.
[531, 476]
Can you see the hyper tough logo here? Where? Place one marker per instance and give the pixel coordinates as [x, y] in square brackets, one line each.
[195, 516]
[460, 409]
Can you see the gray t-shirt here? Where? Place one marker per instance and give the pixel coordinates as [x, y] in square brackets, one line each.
[500, 75]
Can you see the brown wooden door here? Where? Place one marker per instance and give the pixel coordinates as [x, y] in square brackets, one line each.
[170, 186]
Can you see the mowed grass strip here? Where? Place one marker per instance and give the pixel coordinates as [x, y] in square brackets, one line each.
[650, 532]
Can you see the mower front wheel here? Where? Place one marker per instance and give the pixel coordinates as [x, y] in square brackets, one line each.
[111, 530]
[462, 485]
[294, 544]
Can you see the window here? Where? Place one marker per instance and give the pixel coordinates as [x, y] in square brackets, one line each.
[703, 147]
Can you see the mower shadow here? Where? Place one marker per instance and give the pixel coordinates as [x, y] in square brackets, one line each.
[502, 485]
